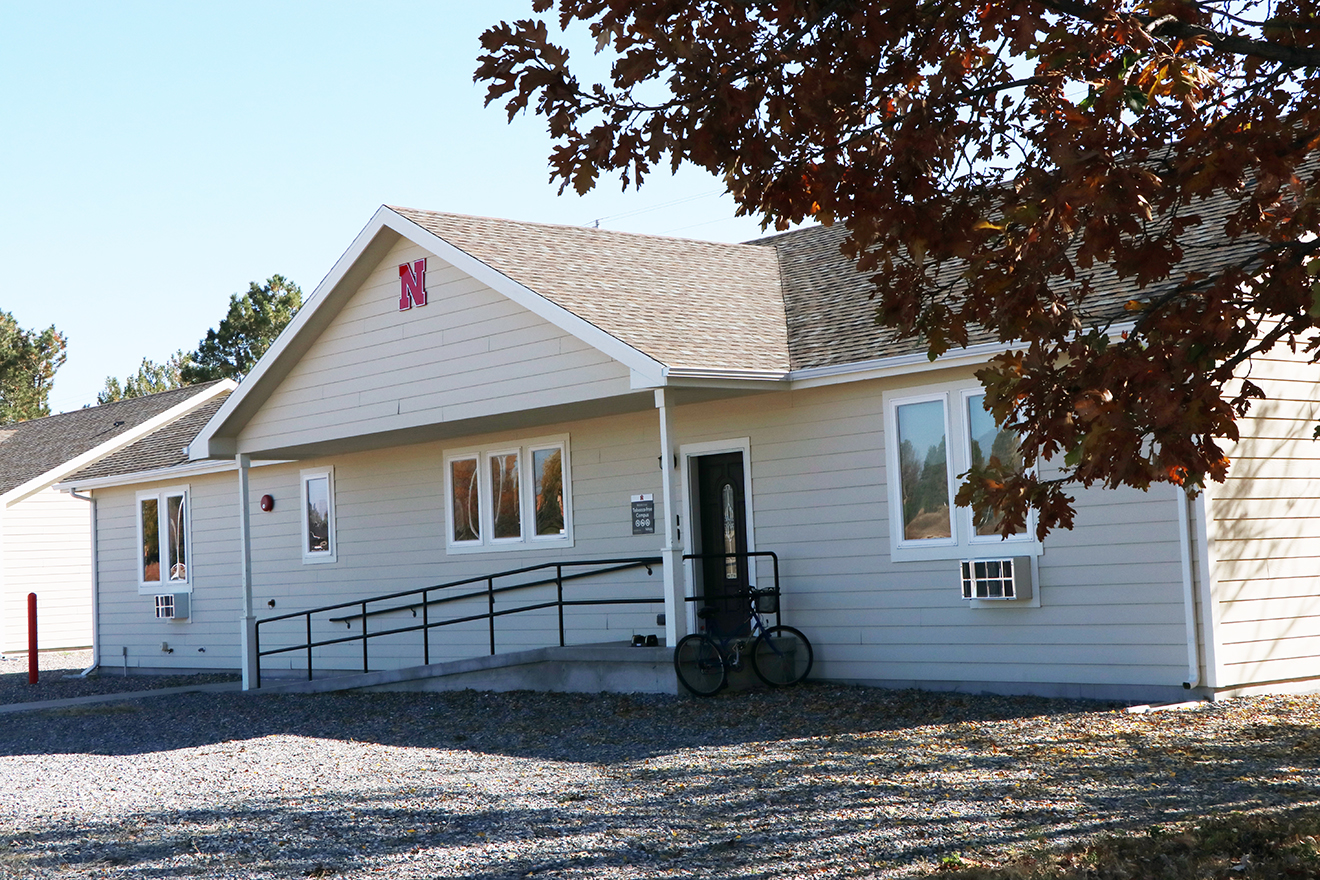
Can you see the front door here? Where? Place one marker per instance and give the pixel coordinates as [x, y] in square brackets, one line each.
[722, 510]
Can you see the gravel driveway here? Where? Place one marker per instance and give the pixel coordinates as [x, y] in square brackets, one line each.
[819, 780]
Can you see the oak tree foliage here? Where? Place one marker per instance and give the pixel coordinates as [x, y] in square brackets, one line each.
[28, 361]
[1002, 168]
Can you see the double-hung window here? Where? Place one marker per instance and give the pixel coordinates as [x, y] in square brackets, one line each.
[318, 515]
[163, 539]
[509, 496]
[933, 436]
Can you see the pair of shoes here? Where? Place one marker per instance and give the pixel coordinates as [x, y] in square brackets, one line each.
[649, 641]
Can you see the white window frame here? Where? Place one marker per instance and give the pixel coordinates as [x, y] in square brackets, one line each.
[310, 556]
[965, 543]
[161, 496]
[527, 538]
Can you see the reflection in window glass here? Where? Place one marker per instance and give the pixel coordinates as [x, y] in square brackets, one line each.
[924, 471]
[730, 533]
[989, 442]
[467, 500]
[149, 517]
[548, 484]
[504, 495]
[178, 551]
[318, 514]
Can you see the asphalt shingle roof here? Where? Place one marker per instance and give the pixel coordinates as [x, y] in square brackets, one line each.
[688, 304]
[788, 301]
[162, 448]
[32, 448]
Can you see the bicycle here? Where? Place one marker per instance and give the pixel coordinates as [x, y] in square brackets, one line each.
[780, 655]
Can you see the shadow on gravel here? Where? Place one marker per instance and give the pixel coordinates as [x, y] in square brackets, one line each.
[569, 727]
[795, 808]
[816, 780]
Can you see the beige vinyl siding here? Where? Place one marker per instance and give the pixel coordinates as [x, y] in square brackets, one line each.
[390, 534]
[1110, 621]
[1111, 614]
[1265, 532]
[48, 551]
[209, 639]
[469, 352]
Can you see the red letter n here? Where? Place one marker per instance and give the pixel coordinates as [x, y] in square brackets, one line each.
[412, 285]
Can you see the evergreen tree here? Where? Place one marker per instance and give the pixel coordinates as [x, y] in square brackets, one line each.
[249, 328]
[28, 361]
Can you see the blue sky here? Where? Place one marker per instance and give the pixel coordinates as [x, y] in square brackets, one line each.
[156, 157]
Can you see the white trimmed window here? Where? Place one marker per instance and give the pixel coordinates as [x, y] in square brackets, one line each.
[933, 436]
[163, 538]
[318, 515]
[508, 497]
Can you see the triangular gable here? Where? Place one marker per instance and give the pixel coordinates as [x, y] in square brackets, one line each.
[282, 404]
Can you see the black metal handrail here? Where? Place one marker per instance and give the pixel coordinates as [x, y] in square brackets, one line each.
[491, 591]
[413, 606]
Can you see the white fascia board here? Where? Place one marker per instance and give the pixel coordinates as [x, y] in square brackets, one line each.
[178, 472]
[606, 343]
[913, 363]
[642, 366]
[727, 375]
[113, 445]
[205, 446]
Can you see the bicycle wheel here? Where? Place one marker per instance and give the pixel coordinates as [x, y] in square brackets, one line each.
[781, 656]
[699, 664]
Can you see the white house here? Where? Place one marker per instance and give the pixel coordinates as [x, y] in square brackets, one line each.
[45, 535]
[466, 396]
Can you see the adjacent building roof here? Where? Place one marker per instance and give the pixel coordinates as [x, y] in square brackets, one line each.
[162, 448]
[49, 448]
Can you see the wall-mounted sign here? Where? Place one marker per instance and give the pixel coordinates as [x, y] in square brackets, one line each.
[643, 514]
[412, 285]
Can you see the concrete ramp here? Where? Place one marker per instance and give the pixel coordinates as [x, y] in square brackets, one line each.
[576, 669]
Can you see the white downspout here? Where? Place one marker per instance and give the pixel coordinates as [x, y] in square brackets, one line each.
[248, 620]
[675, 607]
[96, 587]
[1189, 591]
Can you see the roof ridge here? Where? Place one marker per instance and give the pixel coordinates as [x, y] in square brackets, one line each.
[101, 407]
[594, 230]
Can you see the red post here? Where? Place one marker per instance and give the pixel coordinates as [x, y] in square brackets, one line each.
[32, 638]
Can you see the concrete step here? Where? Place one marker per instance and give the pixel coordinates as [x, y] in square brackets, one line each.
[575, 669]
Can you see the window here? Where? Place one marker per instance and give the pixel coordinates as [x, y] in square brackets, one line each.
[318, 516]
[162, 527]
[934, 437]
[508, 497]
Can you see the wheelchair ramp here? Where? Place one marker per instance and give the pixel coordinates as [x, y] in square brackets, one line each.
[616, 668]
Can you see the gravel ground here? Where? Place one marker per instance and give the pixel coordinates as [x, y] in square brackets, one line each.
[820, 780]
[57, 678]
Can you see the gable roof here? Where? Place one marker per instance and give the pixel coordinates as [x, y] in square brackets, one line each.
[37, 453]
[163, 448]
[691, 305]
[786, 307]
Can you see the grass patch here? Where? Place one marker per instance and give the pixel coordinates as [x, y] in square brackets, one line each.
[1277, 846]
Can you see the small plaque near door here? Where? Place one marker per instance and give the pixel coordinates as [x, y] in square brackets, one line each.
[643, 514]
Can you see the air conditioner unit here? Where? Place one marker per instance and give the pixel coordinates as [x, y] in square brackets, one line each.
[997, 579]
[173, 606]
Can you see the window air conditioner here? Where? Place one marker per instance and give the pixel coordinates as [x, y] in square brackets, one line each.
[997, 579]
[173, 606]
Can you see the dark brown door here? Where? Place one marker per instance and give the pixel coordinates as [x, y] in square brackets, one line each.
[722, 509]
